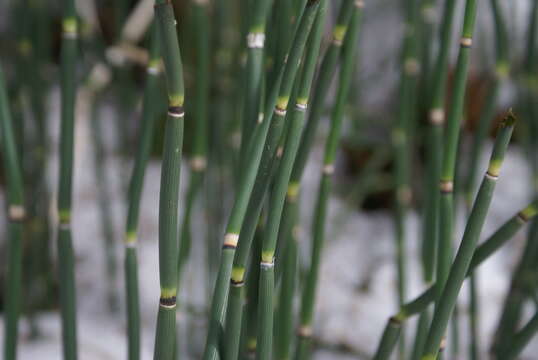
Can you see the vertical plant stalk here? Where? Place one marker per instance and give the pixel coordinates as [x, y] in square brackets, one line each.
[484, 124]
[169, 192]
[435, 253]
[317, 107]
[513, 303]
[198, 162]
[446, 185]
[402, 146]
[16, 216]
[473, 228]
[483, 252]
[254, 74]
[66, 257]
[521, 339]
[268, 163]
[304, 331]
[147, 130]
[278, 195]
[255, 177]
[285, 319]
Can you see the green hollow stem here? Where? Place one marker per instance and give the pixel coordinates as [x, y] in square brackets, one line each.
[520, 339]
[420, 335]
[285, 316]
[295, 121]
[402, 147]
[320, 213]
[317, 106]
[165, 336]
[254, 74]
[512, 306]
[473, 228]
[278, 195]
[482, 253]
[147, 130]
[198, 161]
[16, 215]
[262, 151]
[484, 124]
[66, 258]
[432, 241]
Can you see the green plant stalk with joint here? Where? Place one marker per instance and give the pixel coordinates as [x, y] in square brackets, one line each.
[463, 259]
[16, 216]
[66, 257]
[147, 130]
[320, 213]
[165, 336]
[482, 253]
[255, 176]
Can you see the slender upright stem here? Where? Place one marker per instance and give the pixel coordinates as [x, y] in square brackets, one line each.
[320, 213]
[462, 261]
[434, 251]
[66, 257]
[482, 253]
[169, 191]
[254, 74]
[16, 215]
[317, 107]
[255, 177]
[147, 130]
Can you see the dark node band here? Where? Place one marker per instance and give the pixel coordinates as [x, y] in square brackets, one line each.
[237, 283]
[176, 111]
[395, 321]
[171, 301]
[228, 246]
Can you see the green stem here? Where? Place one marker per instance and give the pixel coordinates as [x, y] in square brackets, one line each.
[16, 216]
[147, 130]
[462, 261]
[165, 336]
[320, 214]
[255, 177]
[66, 257]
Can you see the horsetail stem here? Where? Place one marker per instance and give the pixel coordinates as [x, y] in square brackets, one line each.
[520, 339]
[66, 258]
[473, 228]
[255, 179]
[135, 191]
[278, 193]
[431, 247]
[484, 123]
[512, 306]
[482, 253]
[198, 161]
[320, 214]
[325, 75]
[285, 317]
[402, 146]
[16, 216]
[169, 190]
[254, 73]
[267, 165]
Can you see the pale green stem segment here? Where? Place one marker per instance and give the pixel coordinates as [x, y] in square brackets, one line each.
[165, 336]
[320, 215]
[16, 216]
[473, 228]
[147, 130]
